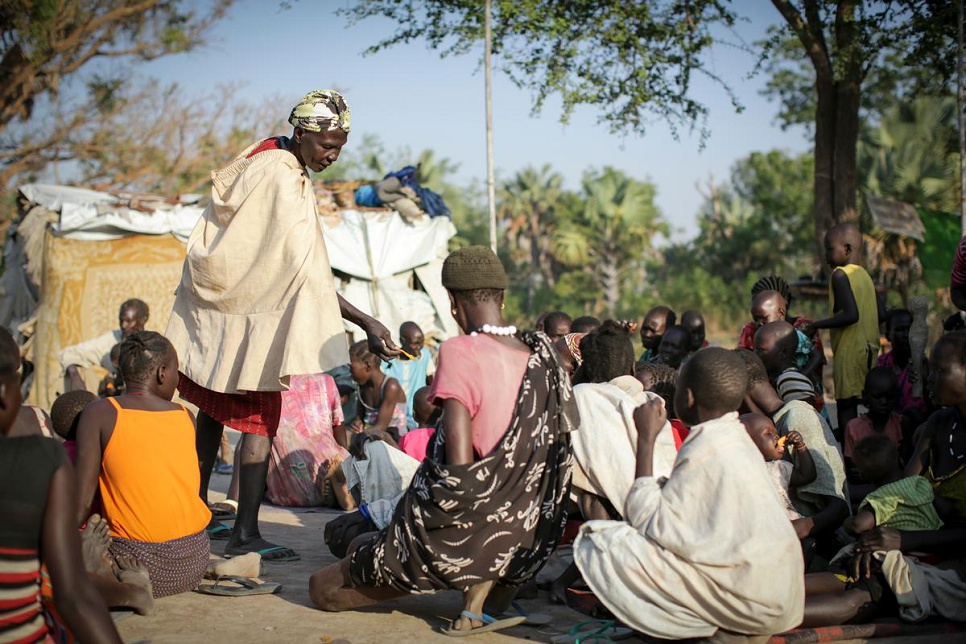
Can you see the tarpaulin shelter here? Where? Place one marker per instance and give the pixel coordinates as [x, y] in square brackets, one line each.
[74, 255]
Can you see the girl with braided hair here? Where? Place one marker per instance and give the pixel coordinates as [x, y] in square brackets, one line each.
[149, 495]
[771, 299]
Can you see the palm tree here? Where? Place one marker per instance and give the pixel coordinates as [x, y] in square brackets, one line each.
[529, 208]
[615, 231]
[911, 155]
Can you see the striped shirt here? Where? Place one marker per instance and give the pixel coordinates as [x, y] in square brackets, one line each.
[957, 278]
[905, 504]
[21, 619]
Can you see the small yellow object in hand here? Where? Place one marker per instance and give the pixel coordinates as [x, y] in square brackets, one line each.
[407, 354]
[781, 442]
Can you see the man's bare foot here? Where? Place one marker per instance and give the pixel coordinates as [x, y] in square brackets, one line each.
[95, 540]
[129, 571]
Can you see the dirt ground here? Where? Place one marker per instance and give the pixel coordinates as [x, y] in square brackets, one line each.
[289, 617]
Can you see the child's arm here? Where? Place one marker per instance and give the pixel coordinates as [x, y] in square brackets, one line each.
[804, 471]
[392, 394]
[340, 435]
[846, 311]
[863, 521]
[814, 361]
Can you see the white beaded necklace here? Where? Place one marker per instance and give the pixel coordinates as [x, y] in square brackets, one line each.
[493, 329]
[958, 457]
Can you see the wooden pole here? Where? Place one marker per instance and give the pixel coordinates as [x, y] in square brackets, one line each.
[961, 80]
[488, 65]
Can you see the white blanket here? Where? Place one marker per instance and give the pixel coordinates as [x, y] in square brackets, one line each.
[605, 447]
[923, 590]
[706, 549]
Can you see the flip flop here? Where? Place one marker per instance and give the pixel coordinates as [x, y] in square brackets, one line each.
[244, 587]
[219, 533]
[267, 552]
[594, 630]
[490, 624]
[222, 512]
[533, 619]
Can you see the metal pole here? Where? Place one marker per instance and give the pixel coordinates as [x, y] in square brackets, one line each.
[961, 80]
[490, 182]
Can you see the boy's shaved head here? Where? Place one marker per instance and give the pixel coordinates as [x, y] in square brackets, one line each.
[847, 233]
[775, 344]
[753, 366]
[67, 409]
[718, 381]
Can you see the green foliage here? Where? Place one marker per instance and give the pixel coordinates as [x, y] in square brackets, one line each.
[631, 60]
[905, 49]
[44, 44]
[910, 155]
[757, 225]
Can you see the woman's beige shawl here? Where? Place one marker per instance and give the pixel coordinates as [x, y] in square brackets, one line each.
[708, 548]
[257, 301]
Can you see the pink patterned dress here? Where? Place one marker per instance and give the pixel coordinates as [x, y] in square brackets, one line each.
[305, 450]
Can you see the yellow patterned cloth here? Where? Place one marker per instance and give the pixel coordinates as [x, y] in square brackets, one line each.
[257, 301]
[855, 347]
[84, 282]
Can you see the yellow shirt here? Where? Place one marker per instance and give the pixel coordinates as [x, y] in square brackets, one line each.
[854, 347]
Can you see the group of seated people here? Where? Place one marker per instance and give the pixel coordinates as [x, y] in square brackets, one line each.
[713, 491]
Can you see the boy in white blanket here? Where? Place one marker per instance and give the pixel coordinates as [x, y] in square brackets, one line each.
[707, 548]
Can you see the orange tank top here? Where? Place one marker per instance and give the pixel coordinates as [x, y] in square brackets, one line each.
[149, 476]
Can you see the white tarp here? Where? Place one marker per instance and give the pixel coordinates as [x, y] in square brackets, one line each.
[382, 255]
[96, 216]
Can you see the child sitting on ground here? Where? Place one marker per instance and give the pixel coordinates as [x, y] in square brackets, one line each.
[853, 320]
[382, 401]
[427, 415]
[64, 414]
[784, 474]
[112, 384]
[741, 563]
[880, 395]
[901, 503]
[913, 409]
[37, 498]
[660, 379]
[149, 495]
[412, 372]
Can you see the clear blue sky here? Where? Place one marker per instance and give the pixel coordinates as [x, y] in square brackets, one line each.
[410, 97]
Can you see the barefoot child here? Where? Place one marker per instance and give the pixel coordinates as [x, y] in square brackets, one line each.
[784, 474]
[37, 503]
[382, 401]
[149, 495]
[853, 320]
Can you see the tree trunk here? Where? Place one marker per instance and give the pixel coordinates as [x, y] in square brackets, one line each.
[847, 85]
[823, 187]
[610, 280]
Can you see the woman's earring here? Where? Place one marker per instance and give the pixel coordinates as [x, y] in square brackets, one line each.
[502, 306]
[453, 312]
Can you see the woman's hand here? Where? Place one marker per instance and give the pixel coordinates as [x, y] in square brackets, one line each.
[879, 538]
[380, 340]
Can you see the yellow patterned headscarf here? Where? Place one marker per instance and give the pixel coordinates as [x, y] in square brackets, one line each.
[321, 111]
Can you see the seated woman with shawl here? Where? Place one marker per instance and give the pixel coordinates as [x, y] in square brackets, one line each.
[485, 509]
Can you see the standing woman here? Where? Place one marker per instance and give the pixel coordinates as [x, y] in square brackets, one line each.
[485, 509]
[257, 302]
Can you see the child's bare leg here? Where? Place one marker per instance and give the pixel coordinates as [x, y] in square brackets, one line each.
[823, 583]
[341, 489]
[833, 609]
